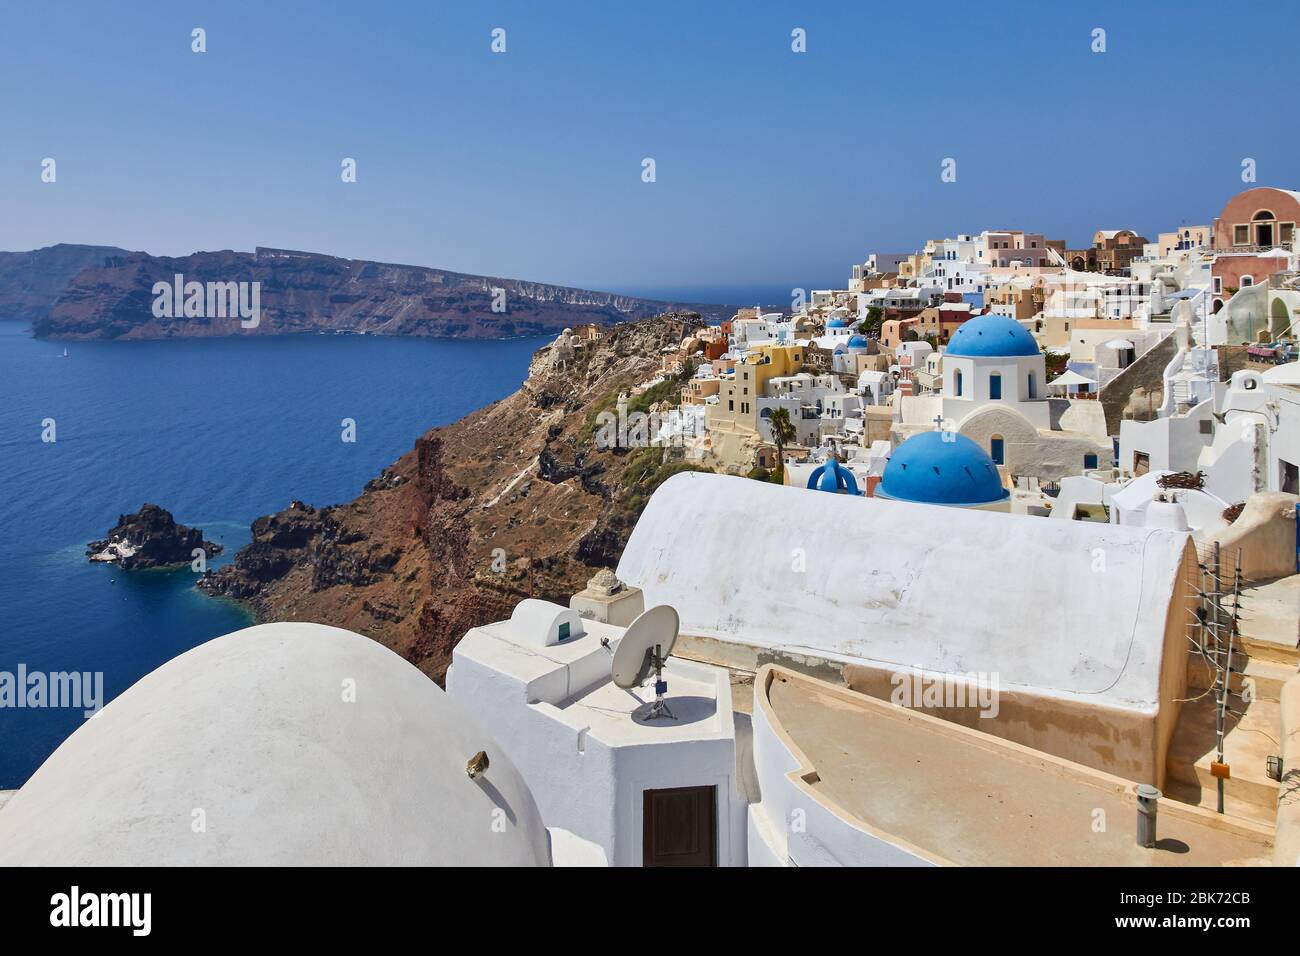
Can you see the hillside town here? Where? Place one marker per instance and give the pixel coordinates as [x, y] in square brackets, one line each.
[989, 558]
[1079, 376]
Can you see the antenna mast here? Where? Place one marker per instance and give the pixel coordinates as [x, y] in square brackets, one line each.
[1216, 629]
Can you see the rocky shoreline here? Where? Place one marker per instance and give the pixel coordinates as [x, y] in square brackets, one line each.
[515, 500]
[150, 538]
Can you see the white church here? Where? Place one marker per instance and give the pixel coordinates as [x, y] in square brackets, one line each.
[995, 392]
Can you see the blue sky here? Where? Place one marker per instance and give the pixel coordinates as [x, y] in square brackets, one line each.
[774, 169]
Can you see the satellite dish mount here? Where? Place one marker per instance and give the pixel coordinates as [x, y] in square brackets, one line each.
[654, 661]
[643, 651]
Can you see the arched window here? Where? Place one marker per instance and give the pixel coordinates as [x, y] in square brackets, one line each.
[956, 383]
[1247, 280]
[996, 450]
[995, 386]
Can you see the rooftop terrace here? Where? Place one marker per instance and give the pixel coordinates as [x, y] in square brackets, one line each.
[958, 796]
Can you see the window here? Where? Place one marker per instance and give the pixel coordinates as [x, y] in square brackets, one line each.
[1241, 235]
[731, 405]
[1089, 462]
[564, 631]
[995, 386]
[1032, 391]
[956, 383]
[1288, 477]
[1247, 281]
[1218, 284]
[996, 451]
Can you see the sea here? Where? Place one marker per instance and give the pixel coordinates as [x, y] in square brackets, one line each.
[218, 432]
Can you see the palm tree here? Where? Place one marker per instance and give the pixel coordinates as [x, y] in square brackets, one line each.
[782, 432]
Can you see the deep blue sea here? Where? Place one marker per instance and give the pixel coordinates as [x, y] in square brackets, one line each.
[217, 431]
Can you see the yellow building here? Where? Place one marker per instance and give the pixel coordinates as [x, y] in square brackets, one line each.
[1020, 299]
[914, 266]
[733, 421]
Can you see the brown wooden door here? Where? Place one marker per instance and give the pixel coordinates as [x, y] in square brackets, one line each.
[680, 827]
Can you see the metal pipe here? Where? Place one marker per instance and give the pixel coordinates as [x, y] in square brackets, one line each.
[1148, 797]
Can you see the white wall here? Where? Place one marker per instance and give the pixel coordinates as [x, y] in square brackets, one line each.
[976, 372]
[582, 783]
[1173, 444]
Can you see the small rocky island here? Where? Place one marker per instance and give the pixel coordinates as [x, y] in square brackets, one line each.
[150, 538]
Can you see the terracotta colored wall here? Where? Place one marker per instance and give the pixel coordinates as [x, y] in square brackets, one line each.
[1232, 268]
[1265, 534]
[1242, 207]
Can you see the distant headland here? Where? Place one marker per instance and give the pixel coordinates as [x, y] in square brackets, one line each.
[102, 292]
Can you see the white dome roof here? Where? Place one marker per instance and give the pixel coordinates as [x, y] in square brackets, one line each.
[251, 733]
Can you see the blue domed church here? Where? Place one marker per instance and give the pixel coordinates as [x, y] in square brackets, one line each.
[943, 468]
[994, 393]
[992, 359]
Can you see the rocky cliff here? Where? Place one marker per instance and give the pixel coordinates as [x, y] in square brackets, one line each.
[31, 282]
[513, 501]
[112, 296]
[150, 538]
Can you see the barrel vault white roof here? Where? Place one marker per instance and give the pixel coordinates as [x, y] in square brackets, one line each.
[1070, 609]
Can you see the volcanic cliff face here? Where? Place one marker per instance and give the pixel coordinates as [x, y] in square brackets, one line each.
[513, 501]
[307, 292]
[31, 282]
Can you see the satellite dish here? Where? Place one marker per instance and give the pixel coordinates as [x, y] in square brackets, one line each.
[633, 661]
[643, 650]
